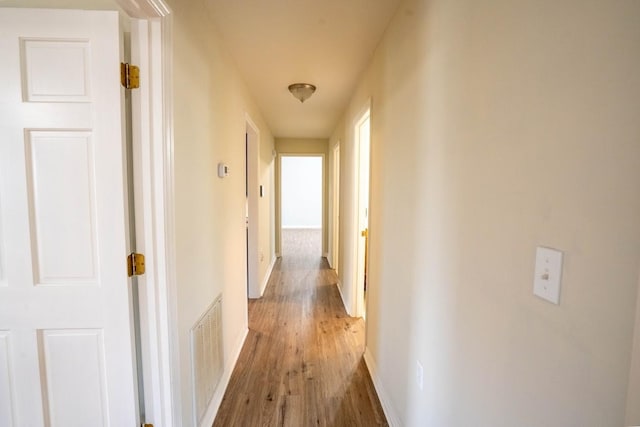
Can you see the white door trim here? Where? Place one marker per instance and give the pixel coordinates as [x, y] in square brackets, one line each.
[335, 207]
[252, 169]
[154, 199]
[358, 304]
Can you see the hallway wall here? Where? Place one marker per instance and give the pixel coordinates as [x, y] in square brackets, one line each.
[210, 212]
[497, 128]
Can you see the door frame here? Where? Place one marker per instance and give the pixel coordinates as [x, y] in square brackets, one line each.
[360, 248]
[335, 207]
[252, 177]
[153, 167]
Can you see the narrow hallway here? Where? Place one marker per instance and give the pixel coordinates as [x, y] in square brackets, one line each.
[301, 364]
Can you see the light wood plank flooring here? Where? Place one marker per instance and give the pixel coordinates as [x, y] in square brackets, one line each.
[301, 364]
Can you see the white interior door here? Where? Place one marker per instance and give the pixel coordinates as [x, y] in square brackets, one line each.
[66, 356]
[336, 209]
[252, 209]
[363, 136]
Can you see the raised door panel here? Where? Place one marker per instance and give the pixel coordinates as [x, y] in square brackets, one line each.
[72, 367]
[56, 70]
[7, 393]
[62, 205]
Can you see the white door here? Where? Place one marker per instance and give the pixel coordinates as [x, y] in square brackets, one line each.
[363, 135]
[66, 356]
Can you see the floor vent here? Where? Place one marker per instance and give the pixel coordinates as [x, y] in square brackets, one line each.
[207, 357]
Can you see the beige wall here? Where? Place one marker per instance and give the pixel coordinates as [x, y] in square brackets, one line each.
[304, 146]
[497, 128]
[210, 212]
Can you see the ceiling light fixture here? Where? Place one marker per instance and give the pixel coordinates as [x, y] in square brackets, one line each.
[302, 91]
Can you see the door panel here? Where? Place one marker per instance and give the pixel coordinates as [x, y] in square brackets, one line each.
[56, 70]
[55, 159]
[7, 395]
[65, 327]
[72, 366]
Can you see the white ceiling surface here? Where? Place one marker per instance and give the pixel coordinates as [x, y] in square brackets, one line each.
[327, 43]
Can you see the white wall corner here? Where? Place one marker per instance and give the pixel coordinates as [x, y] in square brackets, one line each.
[383, 395]
[230, 365]
[267, 276]
[344, 303]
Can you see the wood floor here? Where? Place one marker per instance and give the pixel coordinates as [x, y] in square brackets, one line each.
[301, 364]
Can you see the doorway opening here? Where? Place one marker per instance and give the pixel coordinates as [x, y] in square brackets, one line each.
[363, 142]
[301, 203]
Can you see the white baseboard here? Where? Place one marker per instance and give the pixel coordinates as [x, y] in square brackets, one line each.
[216, 400]
[339, 286]
[385, 401]
[267, 276]
[344, 302]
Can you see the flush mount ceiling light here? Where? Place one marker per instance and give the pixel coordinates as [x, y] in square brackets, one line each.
[302, 91]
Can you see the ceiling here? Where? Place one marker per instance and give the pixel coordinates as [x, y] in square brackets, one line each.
[327, 43]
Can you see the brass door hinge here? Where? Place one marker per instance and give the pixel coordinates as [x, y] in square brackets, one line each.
[135, 264]
[129, 76]
[147, 425]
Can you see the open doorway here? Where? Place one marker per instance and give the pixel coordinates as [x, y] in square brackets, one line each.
[301, 204]
[363, 141]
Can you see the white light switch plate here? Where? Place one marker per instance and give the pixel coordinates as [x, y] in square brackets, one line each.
[548, 274]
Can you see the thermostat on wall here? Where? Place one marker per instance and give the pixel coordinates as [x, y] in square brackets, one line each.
[223, 170]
